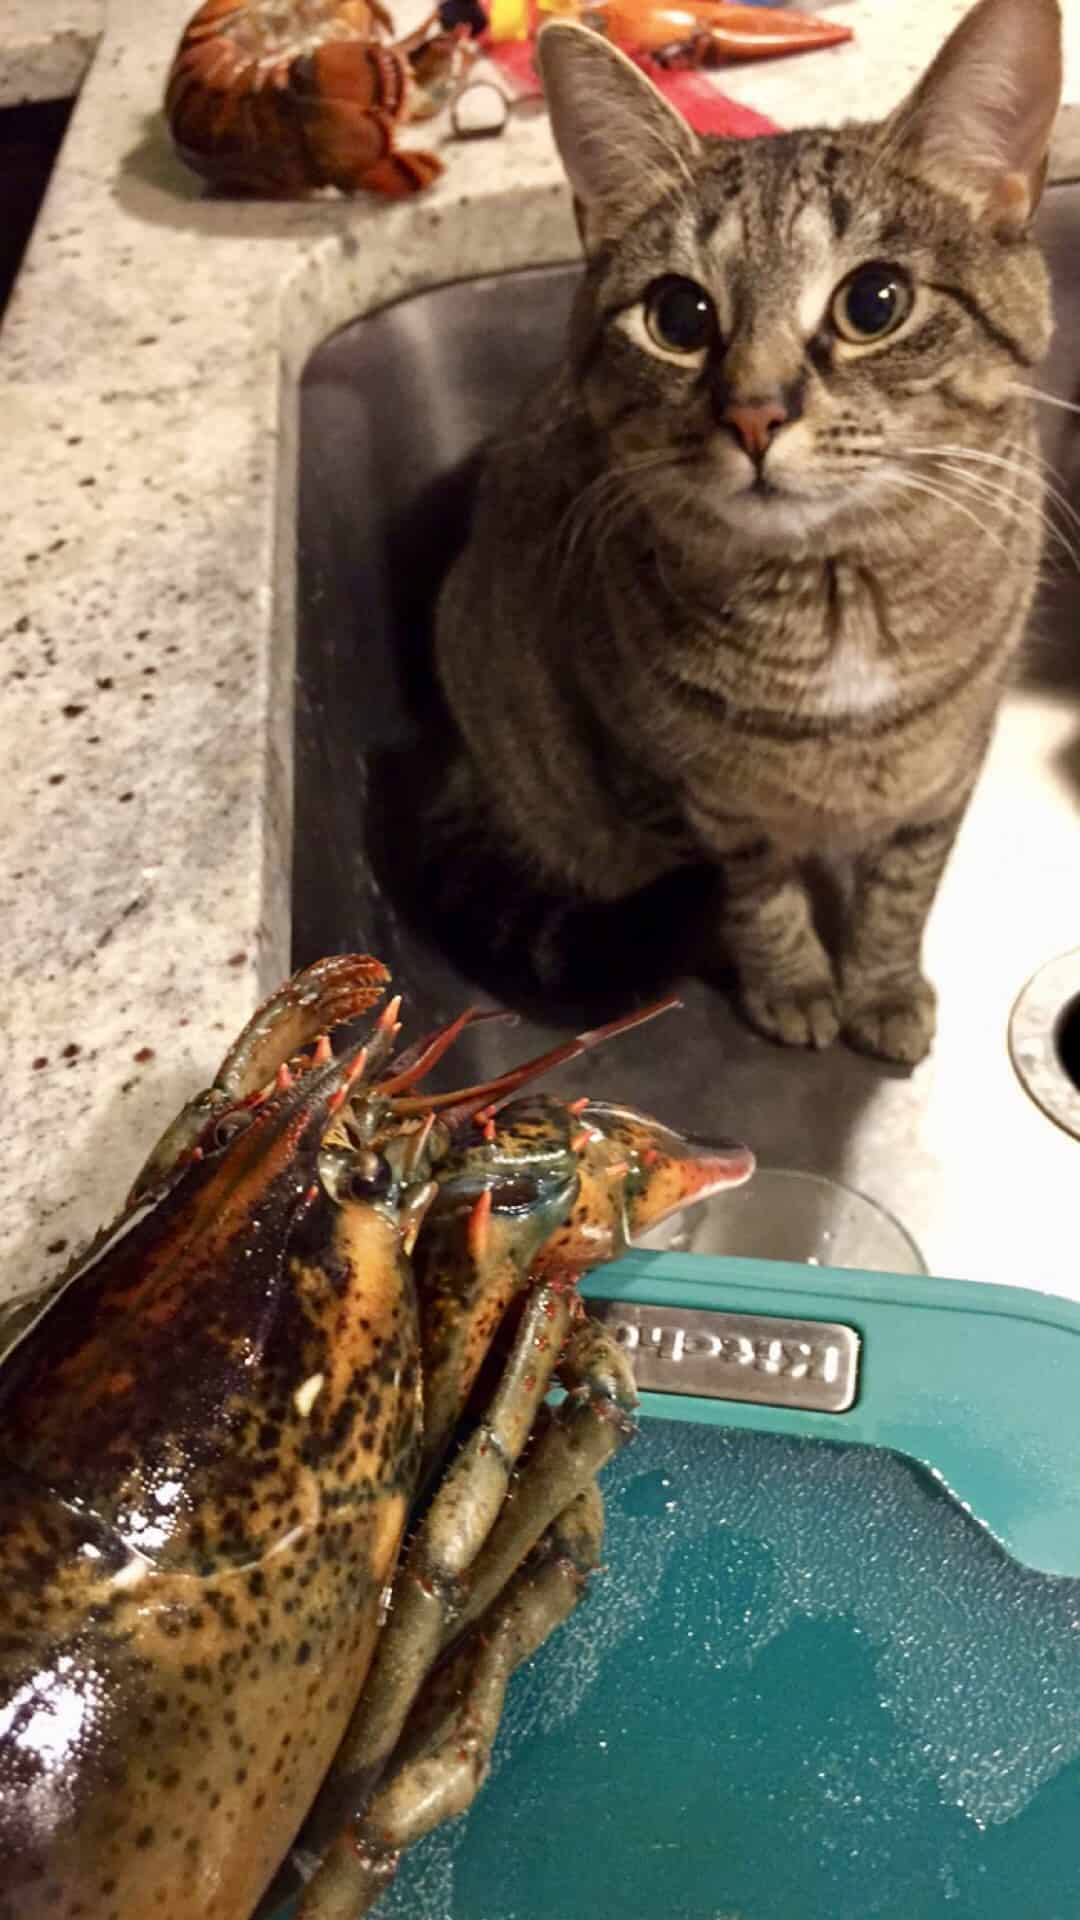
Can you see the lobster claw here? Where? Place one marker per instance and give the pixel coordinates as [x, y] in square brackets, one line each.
[352, 94]
[323, 996]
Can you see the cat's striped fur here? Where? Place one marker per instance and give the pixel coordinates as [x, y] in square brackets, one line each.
[666, 638]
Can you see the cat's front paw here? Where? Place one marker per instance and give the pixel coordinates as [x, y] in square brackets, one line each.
[804, 1016]
[895, 1023]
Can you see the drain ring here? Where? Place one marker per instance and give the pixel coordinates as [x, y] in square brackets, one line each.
[1050, 998]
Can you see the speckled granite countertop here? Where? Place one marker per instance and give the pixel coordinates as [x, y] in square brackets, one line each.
[46, 47]
[148, 375]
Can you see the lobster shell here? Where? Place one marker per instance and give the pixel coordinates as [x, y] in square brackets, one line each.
[281, 97]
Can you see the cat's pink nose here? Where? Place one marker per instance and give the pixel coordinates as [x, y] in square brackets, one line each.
[755, 423]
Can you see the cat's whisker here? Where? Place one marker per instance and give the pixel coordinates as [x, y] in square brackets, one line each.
[934, 486]
[613, 512]
[946, 496]
[1008, 504]
[1024, 461]
[1007, 501]
[1030, 462]
[955, 484]
[602, 505]
[1016, 455]
[588, 501]
[1026, 466]
[975, 464]
[1047, 399]
[1020, 455]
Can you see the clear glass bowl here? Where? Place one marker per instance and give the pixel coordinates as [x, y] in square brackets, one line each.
[785, 1215]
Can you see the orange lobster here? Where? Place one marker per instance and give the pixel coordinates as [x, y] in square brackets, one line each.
[702, 32]
[280, 97]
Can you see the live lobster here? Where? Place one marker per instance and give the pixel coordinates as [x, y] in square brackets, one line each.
[225, 1681]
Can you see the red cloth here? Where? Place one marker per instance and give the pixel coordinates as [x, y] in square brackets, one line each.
[515, 58]
[707, 110]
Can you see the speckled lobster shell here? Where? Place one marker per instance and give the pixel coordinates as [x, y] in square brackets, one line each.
[282, 97]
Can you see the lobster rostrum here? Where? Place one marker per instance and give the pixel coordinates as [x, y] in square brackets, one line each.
[224, 1680]
[282, 97]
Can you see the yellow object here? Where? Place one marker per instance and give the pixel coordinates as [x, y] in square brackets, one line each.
[509, 19]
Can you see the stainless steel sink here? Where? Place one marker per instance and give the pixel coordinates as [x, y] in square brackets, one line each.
[393, 408]
[30, 138]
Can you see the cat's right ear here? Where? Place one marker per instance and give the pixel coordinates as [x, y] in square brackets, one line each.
[622, 145]
[979, 122]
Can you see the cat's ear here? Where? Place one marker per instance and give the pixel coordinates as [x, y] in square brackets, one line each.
[979, 122]
[621, 143]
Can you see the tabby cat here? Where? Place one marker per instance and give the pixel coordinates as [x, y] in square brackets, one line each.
[748, 577]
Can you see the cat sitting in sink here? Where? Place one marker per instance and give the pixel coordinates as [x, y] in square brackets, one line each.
[748, 578]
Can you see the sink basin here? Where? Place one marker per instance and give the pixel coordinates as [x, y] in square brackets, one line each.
[978, 1173]
[30, 137]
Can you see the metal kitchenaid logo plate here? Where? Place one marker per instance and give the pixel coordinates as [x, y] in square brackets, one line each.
[809, 1364]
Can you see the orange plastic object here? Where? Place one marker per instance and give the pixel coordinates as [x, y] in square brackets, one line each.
[707, 29]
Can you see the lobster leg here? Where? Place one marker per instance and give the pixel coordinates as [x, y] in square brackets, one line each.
[466, 1528]
[402, 171]
[445, 1754]
[568, 1449]
[428, 1585]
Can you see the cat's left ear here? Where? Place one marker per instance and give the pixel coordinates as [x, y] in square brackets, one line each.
[979, 122]
[622, 145]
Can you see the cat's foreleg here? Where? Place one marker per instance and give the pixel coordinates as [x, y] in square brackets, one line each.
[787, 988]
[889, 1007]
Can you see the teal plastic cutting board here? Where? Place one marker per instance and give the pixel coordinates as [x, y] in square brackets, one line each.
[808, 1683]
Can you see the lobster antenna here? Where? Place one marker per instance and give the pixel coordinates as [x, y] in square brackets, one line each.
[418, 1060]
[471, 1098]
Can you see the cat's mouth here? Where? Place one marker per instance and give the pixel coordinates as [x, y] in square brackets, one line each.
[764, 507]
[768, 511]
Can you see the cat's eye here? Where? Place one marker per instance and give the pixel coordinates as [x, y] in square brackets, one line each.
[872, 302]
[680, 315]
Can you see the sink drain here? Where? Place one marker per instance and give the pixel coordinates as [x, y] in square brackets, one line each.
[1044, 1040]
[1068, 1041]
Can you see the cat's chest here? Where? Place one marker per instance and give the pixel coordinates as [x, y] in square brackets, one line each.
[831, 725]
[825, 702]
[816, 780]
[826, 652]
[855, 678]
[826, 638]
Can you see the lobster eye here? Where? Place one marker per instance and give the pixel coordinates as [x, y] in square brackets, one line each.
[370, 1177]
[872, 302]
[230, 1125]
[680, 315]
